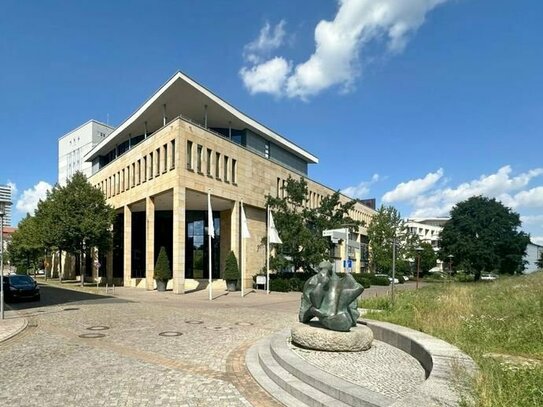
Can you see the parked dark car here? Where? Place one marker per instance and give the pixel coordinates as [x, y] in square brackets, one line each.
[20, 287]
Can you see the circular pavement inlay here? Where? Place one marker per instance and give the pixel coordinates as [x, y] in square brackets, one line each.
[194, 321]
[91, 336]
[98, 328]
[218, 328]
[70, 309]
[170, 333]
[244, 323]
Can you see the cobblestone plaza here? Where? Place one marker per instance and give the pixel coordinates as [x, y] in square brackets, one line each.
[143, 349]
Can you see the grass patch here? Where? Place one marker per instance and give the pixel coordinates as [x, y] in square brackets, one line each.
[499, 324]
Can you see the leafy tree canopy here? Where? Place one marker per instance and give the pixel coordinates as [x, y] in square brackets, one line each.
[386, 226]
[26, 248]
[301, 227]
[484, 235]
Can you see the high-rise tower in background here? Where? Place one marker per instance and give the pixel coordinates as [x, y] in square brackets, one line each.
[5, 195]
[73, 146]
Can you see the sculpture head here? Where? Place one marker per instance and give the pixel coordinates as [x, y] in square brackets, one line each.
[325, 267]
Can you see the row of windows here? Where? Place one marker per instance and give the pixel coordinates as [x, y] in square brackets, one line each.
[142, 170]
[216, 165]
[314, 200]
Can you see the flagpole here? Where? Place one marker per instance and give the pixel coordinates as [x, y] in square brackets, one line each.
[268, 252]
[242, 257]
[209, 226]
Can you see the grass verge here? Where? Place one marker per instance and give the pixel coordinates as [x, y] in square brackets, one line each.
[499, 324]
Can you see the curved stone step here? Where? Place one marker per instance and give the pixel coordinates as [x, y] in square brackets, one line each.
[304, 392]
[339, 389]
[253, 364]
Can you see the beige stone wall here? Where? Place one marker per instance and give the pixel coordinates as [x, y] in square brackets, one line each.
[183, 157]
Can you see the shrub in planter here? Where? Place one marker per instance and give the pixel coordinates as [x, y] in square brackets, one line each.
[231, 272]
[163, 272]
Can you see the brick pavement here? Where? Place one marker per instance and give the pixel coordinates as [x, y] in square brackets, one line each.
[131, 364]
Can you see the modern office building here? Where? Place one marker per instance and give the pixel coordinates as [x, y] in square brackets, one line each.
[5, 195]
[158, 167]
[533, 255]
[73, 146]
[429, 231]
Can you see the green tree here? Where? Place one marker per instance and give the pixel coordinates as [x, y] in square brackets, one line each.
[75, 218]
[231, 269]
[484, 235]
[386, 226]
[163, 272]
[428, 257]
[26, 248]
[301, 228]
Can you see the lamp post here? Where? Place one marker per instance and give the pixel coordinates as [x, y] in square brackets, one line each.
[393, 269]
[3, 205]
[450, 256]
[418, 249]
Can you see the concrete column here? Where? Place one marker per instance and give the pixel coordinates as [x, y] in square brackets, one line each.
[127, 246]
[109, 266]
[150, 242]
[178, 252]
[235, 231]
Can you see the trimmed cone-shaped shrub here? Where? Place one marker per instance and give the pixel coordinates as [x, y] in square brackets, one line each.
[231, 269]
[163, 272]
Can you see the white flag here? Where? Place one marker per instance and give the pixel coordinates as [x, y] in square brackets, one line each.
[244, 228]
[210, 227]
[273, 236]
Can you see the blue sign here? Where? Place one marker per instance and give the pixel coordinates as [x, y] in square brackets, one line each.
[347, 263]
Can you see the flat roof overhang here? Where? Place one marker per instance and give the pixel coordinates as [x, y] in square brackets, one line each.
[185, 97]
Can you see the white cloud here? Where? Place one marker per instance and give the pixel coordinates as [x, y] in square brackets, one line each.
[268, 77]
[537, 239]
[532, 219]
[340, 43]
[28, 201]
[409, 190]
[268, 40]
[361, 190]
[502, 185]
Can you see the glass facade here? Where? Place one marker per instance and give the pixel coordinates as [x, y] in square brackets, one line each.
[196, 245]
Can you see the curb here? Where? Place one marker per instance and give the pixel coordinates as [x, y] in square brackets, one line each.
[15, 332]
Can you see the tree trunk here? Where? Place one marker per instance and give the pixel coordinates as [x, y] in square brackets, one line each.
[82, 266]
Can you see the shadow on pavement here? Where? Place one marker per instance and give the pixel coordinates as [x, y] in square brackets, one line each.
[51, 296]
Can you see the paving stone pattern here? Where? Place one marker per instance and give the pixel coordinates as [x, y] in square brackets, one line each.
[383, 368]
[49, 364]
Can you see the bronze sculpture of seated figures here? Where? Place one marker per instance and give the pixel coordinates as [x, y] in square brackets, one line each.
[331, 299]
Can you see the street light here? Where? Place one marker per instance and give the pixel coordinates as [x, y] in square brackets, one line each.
[418, 249]
[450, 256]
[3, 205]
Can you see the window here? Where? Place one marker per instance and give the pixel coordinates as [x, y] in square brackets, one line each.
[225, 168]
[234, 171]
[165, 158]
[144, 169]
[138, 170]
[133, 175]
[199, 158]
[150, 172]
[218, 165]
[172, 155]
[157, 161]
[208, 161]
[189, 155]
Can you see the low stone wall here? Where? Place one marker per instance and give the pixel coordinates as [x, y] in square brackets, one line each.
[444, 364]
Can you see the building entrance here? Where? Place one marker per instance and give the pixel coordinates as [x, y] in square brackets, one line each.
[196, 248]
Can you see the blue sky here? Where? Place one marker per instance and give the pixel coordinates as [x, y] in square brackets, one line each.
[418, 103]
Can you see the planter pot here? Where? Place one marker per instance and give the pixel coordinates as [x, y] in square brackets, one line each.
[161, 285]
[231, 285]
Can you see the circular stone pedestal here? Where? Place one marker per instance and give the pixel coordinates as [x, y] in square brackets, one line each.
[316, 337]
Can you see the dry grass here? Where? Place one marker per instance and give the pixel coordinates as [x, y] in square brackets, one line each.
[499, 324]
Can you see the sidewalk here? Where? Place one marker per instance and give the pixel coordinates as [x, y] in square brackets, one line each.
[11, 326]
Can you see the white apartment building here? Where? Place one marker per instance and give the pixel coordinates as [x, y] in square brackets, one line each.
[427, 229]
[73, 146]
[5, 195]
